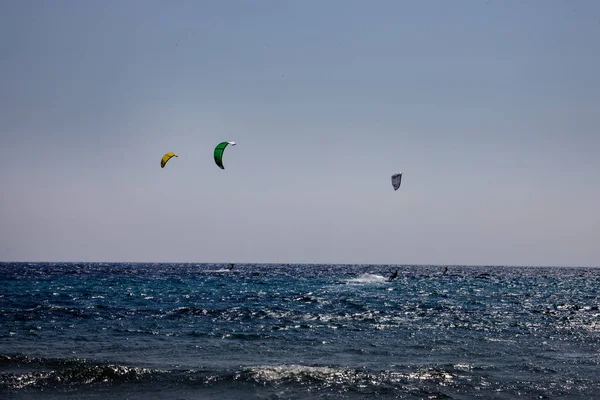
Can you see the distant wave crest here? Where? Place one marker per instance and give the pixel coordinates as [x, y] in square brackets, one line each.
[367, 278]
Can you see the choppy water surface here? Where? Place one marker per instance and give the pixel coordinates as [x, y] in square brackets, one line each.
[297, 331]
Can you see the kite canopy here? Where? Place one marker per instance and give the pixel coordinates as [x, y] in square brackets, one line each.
[219, 153]
[166, 158]
[396, 179]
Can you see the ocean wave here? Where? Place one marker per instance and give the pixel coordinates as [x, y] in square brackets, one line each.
[328, 376]
[32, 372]
[367, 278]
[287, 380]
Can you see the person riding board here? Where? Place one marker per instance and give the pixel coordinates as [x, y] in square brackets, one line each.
[393, 276]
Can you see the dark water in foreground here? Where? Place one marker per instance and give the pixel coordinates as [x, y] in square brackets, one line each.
[199, 331]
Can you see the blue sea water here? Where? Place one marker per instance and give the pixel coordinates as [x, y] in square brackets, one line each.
[201, 331]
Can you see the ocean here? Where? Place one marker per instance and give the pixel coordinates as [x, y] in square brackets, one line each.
[286, 331]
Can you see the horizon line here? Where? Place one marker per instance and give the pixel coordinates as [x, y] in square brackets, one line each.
[305, 263]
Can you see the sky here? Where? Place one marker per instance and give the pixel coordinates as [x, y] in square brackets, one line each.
[490, 109]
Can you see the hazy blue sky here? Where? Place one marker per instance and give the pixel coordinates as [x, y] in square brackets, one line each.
[491, 109]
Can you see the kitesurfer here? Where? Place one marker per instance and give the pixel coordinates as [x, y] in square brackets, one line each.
[445, 270]
[393, 276]
[232, 265]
